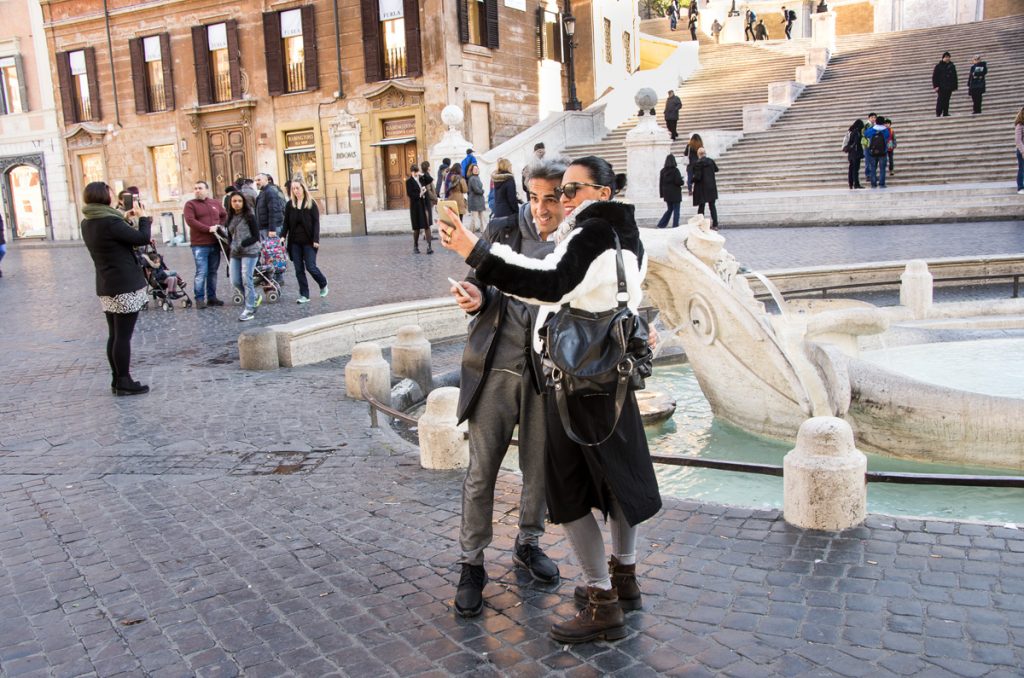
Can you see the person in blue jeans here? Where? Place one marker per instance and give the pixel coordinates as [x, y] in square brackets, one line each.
[1018, 140]
[204, 216]
[670, 188]
[245, 250]
[3, 239]
[877, 152]
[302, 235]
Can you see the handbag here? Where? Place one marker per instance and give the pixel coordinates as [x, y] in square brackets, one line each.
[596, 353]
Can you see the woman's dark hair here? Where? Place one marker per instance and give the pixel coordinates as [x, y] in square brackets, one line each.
[96, 193]
[601, 172]
[425, 166]
[670, 161]
[695, 142]
[857, 125]
[456, 170]
[245, 204]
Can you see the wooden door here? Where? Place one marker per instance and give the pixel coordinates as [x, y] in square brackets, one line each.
[228, 157]
[397, 159]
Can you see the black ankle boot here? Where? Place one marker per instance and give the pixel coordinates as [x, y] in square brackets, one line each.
[126, 386]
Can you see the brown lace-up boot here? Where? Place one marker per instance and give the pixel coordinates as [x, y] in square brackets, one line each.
[600, 619]
[624, 581]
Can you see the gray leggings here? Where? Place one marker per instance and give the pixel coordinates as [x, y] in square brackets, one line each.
[585, 535]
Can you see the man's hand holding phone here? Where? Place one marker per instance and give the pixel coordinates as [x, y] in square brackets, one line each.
[466, 294]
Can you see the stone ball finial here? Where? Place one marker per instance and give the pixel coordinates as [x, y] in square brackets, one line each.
[452, 116]
[646, 98]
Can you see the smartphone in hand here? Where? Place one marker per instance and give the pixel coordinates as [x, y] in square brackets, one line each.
[442, 213]
[459, 287]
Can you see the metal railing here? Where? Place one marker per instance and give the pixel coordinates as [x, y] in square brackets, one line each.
[823, 290]
[394, 63]
[157, 101]
[296, 76]
[84, 108]
[222, 87]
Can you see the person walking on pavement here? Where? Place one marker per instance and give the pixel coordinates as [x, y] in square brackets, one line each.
[120, 284]
[1018, 139]
[854, 152]
[415, 191]
[502, 385]
[673, 15]
[204, 216]
[244, 238]
[976, 82]
[692, 20]
[615, 476]
[468, 161]
[705, 187]
[476, 200]
[672, 107]
[269, 206]
[670, 188]
[944, 83]
[716, 30]
[302, 234]
[442, 173]
[506, 202]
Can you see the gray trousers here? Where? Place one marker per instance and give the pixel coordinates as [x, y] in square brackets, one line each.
[504, 401]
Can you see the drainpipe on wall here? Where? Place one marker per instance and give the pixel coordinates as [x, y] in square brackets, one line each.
[110, 55]
[337, 49]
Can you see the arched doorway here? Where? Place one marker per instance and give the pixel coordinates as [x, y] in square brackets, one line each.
[24, 188]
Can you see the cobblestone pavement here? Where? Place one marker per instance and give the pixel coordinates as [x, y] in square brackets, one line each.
[234, 523]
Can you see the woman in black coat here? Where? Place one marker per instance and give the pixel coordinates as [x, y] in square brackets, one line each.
[506, 202]
[854, 152]
[705, 189]
[120, 284]
[670, 188]
[976, 82]
[301, 230]
[417, 211]
[944, 83]
[692, 146]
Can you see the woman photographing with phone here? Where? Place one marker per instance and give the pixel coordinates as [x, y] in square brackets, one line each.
[615, 475]
[120, 285]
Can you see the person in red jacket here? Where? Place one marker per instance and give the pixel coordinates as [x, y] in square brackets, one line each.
[204, 216]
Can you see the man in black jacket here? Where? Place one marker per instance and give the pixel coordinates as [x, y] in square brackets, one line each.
[269, 206]
[672, 107]
[976, 82]
[501, 387]
[944, 82]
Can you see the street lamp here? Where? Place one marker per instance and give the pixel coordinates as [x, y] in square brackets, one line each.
[569, 24]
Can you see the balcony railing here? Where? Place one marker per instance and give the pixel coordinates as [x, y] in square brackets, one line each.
[296, 76]
[157, 101]
[394, 63]
[222, 87]
[84, 109]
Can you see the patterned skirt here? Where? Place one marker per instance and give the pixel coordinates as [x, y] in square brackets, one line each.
[127, 302]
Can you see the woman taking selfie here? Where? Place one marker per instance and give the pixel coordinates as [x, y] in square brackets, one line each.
[615, 475]
[120, 284]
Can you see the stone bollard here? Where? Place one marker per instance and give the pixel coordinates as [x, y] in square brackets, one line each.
[257, 349]
[916, 288]
[368, 361]
[410, 357]
[443, 444]
[823, 478]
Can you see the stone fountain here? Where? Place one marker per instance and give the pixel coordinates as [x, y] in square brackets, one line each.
[768, 372]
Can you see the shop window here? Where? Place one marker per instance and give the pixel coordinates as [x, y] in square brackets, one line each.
[27, 202]
[290, 40]
[151, 73]
[165, 173]
[300, 157]
[391, 39]
[13, 97]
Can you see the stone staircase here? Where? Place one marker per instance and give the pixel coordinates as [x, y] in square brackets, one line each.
[730, 77]
[891, 74]
[659, 28]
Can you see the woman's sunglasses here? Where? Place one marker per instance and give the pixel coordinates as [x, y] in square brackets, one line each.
[569, 190]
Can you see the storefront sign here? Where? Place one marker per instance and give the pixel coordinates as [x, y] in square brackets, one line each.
[300, 139]
[400, 127]
[345, 151]
[391, 9]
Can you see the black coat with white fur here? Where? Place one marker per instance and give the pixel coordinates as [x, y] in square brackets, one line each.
[582, 273]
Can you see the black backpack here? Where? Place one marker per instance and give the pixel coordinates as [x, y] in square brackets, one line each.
[877, 145]
[792, 15]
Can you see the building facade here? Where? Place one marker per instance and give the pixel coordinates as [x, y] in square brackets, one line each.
[345, 94]
[33, 185]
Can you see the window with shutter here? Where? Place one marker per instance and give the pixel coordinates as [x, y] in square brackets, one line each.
[66, 88]
[413, 57]
[310, 61]
[539, 28]
[138, 75]
[462, 9]
[371, 41]
[93, 77]
[491, 21]
[550, 29]
[274, 53]
[12, 87]
[234, 59]
[168, 72]
[204, 74]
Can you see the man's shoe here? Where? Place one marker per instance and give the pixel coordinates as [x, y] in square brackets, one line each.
[625, 583]
[469, 596]
[246, 315]
[430, 250]
[126, 386]
[600, 619]
[531, 558]
[415, 250]
[302, 300]
[214, 302]
[200, 303]
[323, 292]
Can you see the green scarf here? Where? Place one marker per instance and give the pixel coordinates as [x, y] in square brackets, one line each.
[94, 211]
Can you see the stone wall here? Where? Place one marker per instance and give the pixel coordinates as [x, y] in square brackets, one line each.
[995, 9]
[855, 18]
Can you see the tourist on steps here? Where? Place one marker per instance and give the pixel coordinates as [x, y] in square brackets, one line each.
[854, 152]
[788, 17]
[761, 31]
[748, 26]
[693, 26]
[716, 30]
[672, 107]
[695, 144]
[670, 188]
[872, 119]
[976, 82]
[877, 136]
[705, 188]
[1018, 137]
[890, 145]
[944, 82]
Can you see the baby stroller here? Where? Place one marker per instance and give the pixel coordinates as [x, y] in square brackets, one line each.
[264, 273]
[157, 275]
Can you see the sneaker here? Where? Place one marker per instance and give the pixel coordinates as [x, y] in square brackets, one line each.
[531, 558]
[1020, 192]
[214, 302]
[259, 300]
[246, 315]
[302, 300]
[323, 292]
[469, 596]
[200, 303]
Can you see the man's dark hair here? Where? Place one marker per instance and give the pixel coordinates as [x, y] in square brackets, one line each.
[546, 169]
[247, 182]
[601, 172]
[469, 151]
[446, 161]
[539, 145]
[96, 193]
[414, 168]
[205, 185]
[270, 179]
